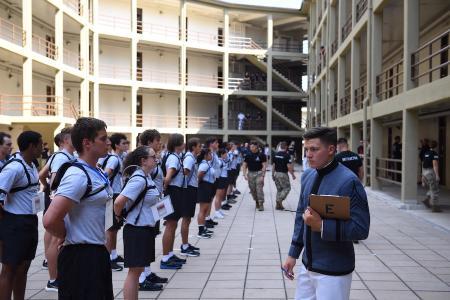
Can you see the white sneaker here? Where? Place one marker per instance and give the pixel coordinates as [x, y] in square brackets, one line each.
[223, 212]
[218, 215]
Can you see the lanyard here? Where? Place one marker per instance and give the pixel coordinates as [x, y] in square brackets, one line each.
[102, 175]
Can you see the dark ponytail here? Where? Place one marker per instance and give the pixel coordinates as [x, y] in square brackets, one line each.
[133, 160]
[202, 155]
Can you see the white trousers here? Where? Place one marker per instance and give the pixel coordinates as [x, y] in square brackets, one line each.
[315, 286]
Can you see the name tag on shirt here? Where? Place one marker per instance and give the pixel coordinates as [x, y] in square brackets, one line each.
[38, 202]
[162, 208]
[109, 213]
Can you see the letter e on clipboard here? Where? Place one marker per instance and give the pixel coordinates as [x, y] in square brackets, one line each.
[331, 207]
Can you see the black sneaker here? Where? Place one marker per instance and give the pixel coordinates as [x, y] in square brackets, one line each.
[150, 286]
[209, 221]
[231, 201]
[232, 196]
[52, 286]
[170, 265]
[236, 192]
[193, 247]
[119, 260]
[156, 279]
[210, 232]
[116, 267]
[189, 252]
[44, 264]
[225, 207]
[177, 259]
[203, 235]
[209, 225]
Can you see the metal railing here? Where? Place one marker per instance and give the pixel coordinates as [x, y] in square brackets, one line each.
[12, 33]
[114, 23]
[44, 47]
[345, 102]
[204, 38]
[360, 94]
[74, 5]
[389, 170]
[204, 80]
[246, 84]
[116, 119]
[247, 124]
[203, 122]
[36, 105]
[156, 76]
[361, 8]
[430, 61]
[347, 27]
[333, 111]
[115, 72]
[288, 74]
[390, 82]
[158, 31]
[72, 59]
[91, 67]
[243, 43]
[158, 121]
[291, 46]
[334, 47]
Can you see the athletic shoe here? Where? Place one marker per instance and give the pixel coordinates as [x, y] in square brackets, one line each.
[261, 207]
[52, 286]
[119, 260]
[236, 192]
[170, 265]
[209, 225]
[44, 264]
[195, 248]
[218, 215]
[203, 235]
[232, 196]
[177, 259]
[231, 201]
[209, 232]
[150, 286]
[189, 252]
[209, 221]
[226, 207]
[116, 267]
[156, 279]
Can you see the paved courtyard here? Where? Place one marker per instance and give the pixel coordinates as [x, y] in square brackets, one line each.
[406, 257]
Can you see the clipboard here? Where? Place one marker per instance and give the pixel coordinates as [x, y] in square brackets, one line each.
[331, 207]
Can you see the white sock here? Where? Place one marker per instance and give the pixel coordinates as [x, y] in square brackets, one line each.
[165, 258]
[208, 218]
[184, 246]
[142, 277]
[147, 271]
[113, 254]
[170, 253]
[52, 280]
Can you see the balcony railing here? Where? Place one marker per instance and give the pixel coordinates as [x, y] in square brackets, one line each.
[334, 47]
[361, 8]
[389, 170]
[158, 121]
[204, 38]
[345, 102]
[116, 119]
[91, 67]
[247, 84]
[72, 59]
[74, 5]
[158, 31]
[115, 72]
[44, 47]
[156, 76]
[292, 46]
[115, 23]
[430, 62]
[36, 105]
[360, 94]
[12, 33]
[390, 82]
[244, 43]
[347, 27]
[203, 122]
[333, 111]
[248, 124]
[204, 80]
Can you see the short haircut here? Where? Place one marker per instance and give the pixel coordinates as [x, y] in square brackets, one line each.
[326, 135]
[210, 141]
[65, 132]
[202, 155]
[28, 138]
[115, 139]
[433, 144]
[175, 140]
[283, 145]
[221, 151]
[253, 142]
[148, 136]
[397, 138]
[86, 128]
[57, 139]
[2, 137]
[342, 141]
[192, 143]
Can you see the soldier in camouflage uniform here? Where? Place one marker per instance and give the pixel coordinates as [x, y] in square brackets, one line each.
[282, 164]
[255, 163]
[430, 177]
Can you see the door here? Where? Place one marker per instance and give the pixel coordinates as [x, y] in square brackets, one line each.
[220, 37]
[139, 66]
[219, 77]
[219, 116]
[442, 142]
[50, 46]
[50, 106]
[139, 110]
[139, 24]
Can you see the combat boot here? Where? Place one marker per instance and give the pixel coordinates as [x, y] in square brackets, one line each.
[436, 209]
[279, 206]
[426, 202]
[261, 206]
[257, 204]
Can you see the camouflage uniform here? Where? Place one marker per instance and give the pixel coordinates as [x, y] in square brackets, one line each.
[433, 186]
[283, 185]
[256, 184]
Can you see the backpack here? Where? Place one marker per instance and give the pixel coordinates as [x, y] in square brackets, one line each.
[53, 157]
[62, 170]
[153, 176]
[115, 171]
[164, 161]
[207, 170]
[139, 198]
[27, 174]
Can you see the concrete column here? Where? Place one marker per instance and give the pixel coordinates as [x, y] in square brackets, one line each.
[331, 91]
[354, 2]
[225, 69]
[340, 132]
[183, 60]
[377, 52]
[332, 22]
[134, 17]
[340, 82]
[27, 67]
[59, 93]
[96, 99]
[341, 20]
[84, 98]
[134, 92]
[59, 35]
[376, 151]
[84, 88]
[355, 70]
[411, 39]
[355, 137]
[410, 137]
[269, 71]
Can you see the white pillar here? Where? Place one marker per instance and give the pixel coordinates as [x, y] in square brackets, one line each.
[340, 83]
[411, 39]
[355, 70]
[183, 60]
[225, 70]
[377, 52]
[84, 87]
[376, 151]
[27, 67]
[269, 72]
[355, 137]
[410, 137]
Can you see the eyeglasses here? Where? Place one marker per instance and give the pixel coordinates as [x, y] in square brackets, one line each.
[152, 156]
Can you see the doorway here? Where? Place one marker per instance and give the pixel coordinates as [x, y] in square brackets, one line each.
[139, 110]
[139, 24]
[442, 142]
[139, 66]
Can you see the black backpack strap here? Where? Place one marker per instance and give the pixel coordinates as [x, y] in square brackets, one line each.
[62, 170]
[191, 173]
[27, 174]
[153, 176]
[140, 197]
[116, 169]
[53, 157]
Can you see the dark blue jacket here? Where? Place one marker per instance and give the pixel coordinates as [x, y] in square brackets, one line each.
[331, 252]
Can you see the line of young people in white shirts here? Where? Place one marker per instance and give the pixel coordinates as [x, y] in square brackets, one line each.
[80, 239]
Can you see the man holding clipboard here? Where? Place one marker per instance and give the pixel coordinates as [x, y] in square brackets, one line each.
[328, 258]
